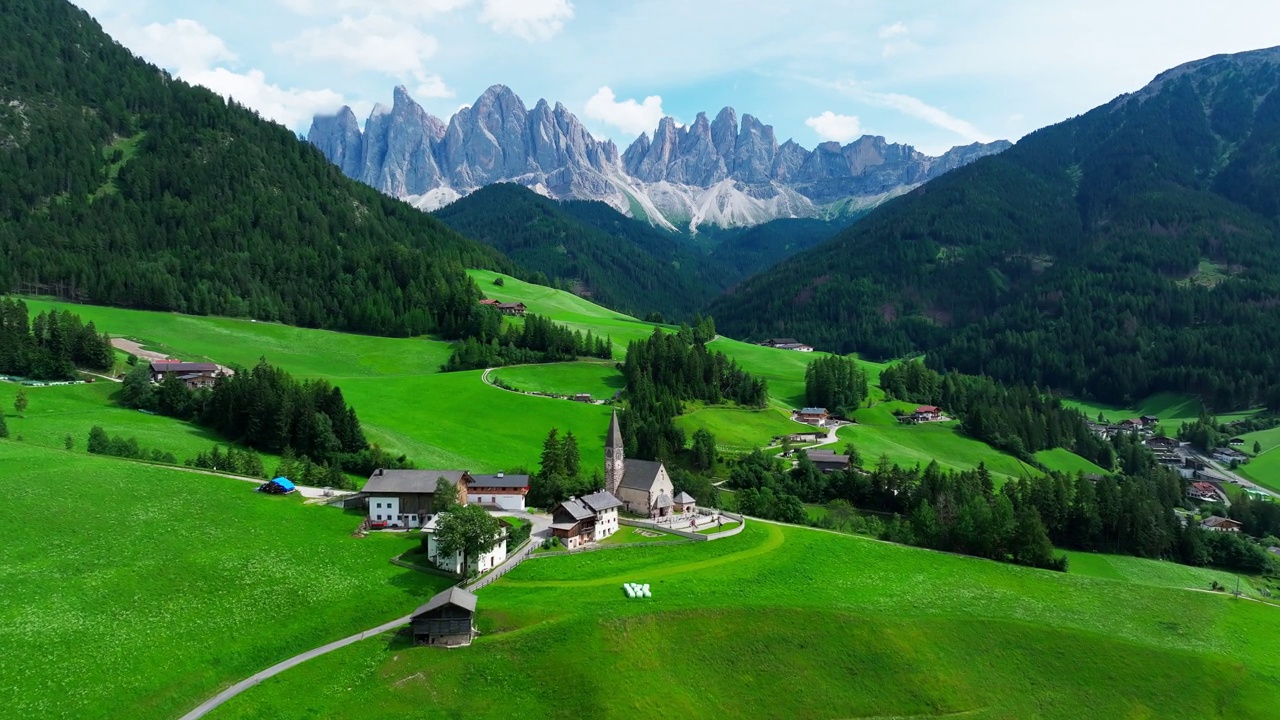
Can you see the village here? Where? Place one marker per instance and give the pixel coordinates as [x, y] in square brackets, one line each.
[637, 493]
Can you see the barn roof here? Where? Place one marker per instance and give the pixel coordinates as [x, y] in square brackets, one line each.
[813, 411]
[411, 481]
[500, 481]
[174, 366]
[639, 474]
[453, 596]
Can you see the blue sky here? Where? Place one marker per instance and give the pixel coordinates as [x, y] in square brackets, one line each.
[931, 74]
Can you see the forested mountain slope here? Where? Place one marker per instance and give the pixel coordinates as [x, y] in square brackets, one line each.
[120, 185]
[1130, 250]
[625, 265]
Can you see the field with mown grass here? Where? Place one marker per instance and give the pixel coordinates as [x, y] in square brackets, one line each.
[908, 445]
[1153, 572]
[739, 430]
[601, 379]
[57, 411]
[134, 591]
[781, 622]
[1265, 468]
[1064, 460]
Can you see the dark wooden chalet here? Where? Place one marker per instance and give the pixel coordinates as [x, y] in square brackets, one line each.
[573, 522]
[447, 619]
[515, 308]
[827, 461]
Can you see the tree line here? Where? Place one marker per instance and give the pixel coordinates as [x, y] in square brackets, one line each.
[536, 340]
[50, 346]
[835, 383]
[667, 370]
[267, 409]
[1017, 419]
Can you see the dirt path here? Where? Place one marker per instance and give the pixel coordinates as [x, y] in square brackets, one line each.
[135, 348]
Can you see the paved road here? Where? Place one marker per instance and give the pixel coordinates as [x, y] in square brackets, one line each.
[541, 527]
[1238, 478]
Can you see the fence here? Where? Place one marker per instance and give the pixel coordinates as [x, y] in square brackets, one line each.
[507, 566]
[650, 525]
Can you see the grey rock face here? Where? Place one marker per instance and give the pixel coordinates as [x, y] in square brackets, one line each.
[404, 151]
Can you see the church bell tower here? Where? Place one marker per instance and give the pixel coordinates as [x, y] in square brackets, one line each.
[614, 456]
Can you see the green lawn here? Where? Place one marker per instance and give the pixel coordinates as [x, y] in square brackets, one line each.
[908, 445]
[133, 591]
[784, 369]
[305, 352]
[873, 630]
[1064, 460]
[718, 529]
[739, 430]
[882, 413]
[58, 411]
[600, 378]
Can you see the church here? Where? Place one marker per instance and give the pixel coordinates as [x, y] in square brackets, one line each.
[643, 486]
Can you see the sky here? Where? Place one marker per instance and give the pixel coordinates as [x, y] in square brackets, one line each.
[927, 73]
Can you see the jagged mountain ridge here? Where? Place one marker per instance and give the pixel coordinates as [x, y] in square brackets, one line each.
[719, 172]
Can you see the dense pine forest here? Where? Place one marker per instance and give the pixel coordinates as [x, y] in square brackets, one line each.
[1128, 251]
[122, 186]
[50, 346]
[666, 371]
[535, 340]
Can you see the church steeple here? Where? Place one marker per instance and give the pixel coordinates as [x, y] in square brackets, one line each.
[614, 456]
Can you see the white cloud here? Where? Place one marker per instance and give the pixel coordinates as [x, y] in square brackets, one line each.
[399, 8]
[915, 107]
[892, 31]
[373, 42]
[628, 115]
[830, 126]
[532, 20]
[290, 107]
[182, 45]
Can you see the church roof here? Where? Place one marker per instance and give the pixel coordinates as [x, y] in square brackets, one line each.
[663, 501]
[614, 438]
[684, 498]
[639, 474]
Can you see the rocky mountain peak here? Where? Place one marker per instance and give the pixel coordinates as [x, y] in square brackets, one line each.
[671, 173]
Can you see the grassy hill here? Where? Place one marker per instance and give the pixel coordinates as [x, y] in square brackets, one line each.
[137, 591]
[909, 445]
[874, 630]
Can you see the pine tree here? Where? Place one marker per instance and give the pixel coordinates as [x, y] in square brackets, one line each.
[570, 460]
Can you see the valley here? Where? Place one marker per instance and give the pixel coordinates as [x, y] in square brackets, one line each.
[493, 416]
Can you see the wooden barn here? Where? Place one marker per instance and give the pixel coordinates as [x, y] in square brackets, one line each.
[447, 619]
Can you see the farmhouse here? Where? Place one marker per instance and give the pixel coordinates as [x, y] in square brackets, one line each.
[813, 416]
[591, 518]
[1149, 420]
[643, 486]
[827, 461]
[1162, 443]
[923, 414]
[515, 308]
[807, 437]
[484, 562]
[503, 491]
[404, 498]
[786, 344]
[447, 619]
[193, 375]
[1202, 491]
[1236, 441]
[1220, 524]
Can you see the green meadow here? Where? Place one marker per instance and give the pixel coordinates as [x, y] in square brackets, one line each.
[781, 622]
[1265, 468]
[909, 445]
[61, 410]
[1173, 409]
[739, 430]
[601, 379]
[135, 591]
[1064, 460]
[1154, 572]
[784, 369]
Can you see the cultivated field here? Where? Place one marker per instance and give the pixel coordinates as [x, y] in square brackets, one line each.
[133, 591]
[874, 630]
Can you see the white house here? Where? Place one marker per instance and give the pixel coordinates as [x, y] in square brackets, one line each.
[482, 563]
[500, 490]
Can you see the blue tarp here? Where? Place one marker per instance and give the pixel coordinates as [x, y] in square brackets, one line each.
[285, 483]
